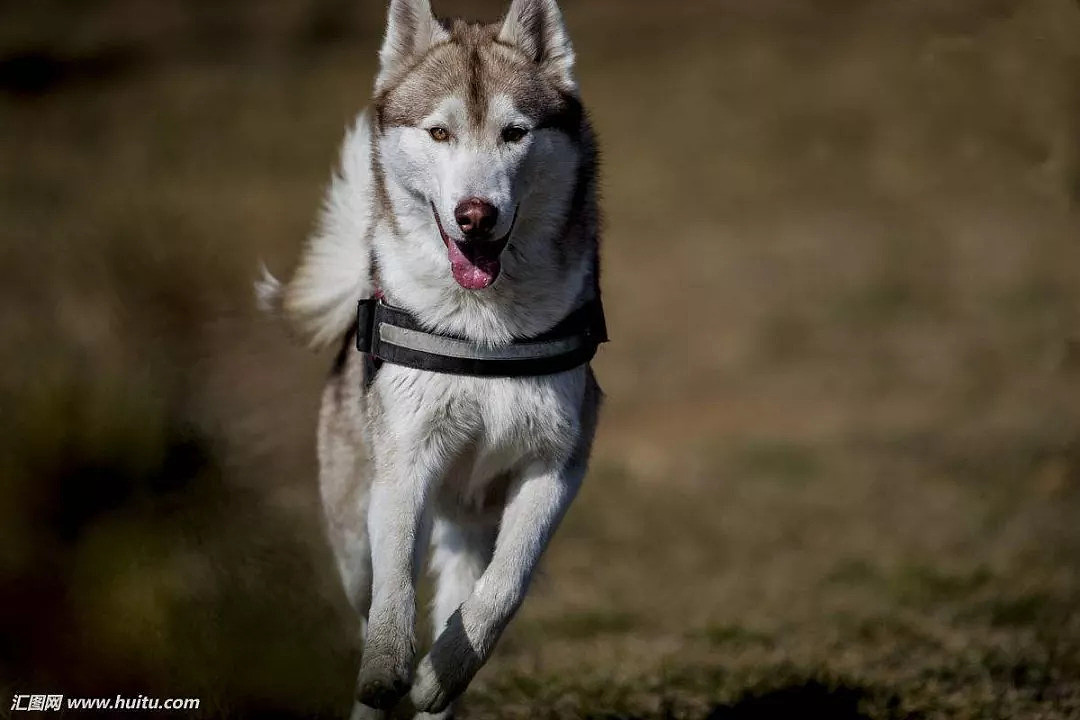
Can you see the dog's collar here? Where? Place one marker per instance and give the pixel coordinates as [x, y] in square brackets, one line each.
[392, 334]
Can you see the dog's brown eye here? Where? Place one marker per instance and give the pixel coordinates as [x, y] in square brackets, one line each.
[439, 134]
[514, 134]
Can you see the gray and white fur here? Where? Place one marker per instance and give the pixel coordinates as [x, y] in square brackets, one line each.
[485, 118]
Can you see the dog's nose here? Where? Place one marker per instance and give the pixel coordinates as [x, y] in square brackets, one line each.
[475, 217]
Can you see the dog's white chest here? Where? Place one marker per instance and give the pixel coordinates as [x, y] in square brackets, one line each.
[528, 414]
[518, 421]
[488, 427]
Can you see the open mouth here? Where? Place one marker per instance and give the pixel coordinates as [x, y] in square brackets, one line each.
[475, 264]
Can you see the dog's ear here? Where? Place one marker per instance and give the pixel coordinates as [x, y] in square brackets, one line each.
[411, 29]
[536, 28]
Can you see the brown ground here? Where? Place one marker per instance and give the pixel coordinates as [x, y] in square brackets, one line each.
[838, 473]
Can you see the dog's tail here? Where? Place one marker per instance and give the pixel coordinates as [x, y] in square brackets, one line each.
[269, 292]
[334, 273]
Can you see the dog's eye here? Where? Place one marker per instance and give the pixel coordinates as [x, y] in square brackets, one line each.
[514, 134]
[439, 134]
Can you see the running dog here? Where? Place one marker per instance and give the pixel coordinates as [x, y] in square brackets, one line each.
[456, 264]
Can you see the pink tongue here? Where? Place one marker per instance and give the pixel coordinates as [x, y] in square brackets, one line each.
[472, 274]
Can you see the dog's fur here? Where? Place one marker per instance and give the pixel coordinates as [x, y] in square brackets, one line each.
[483, 468]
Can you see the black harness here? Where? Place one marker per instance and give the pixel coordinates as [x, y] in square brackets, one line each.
[386, 333]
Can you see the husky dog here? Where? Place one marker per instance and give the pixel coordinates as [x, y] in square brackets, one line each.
[466, 196]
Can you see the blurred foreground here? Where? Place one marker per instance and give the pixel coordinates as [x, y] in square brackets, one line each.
[839, 466]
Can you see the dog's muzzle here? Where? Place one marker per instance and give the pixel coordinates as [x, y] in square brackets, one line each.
[475, 262]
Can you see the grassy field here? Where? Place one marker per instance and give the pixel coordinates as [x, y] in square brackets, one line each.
[838, 471]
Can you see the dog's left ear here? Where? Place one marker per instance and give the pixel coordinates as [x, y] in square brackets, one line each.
[536, 28]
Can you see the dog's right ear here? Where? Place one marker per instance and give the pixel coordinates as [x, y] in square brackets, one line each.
[411, 29]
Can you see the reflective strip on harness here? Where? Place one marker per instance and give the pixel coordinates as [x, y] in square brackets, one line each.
[452, 347]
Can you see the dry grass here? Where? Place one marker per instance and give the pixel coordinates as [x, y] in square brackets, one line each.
[839, 467]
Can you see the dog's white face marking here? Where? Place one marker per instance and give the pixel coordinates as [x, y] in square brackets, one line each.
[498, 161]
[493, 154]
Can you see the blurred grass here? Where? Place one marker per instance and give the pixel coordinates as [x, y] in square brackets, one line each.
[842, 479]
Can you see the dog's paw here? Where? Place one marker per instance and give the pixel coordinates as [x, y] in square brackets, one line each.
[447, 670]
[384, 678]
[363, 712]
[380, 689]
[430, 694]
[447, 714]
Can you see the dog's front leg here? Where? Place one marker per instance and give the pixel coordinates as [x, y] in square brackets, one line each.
[537, 503]
[396, 524]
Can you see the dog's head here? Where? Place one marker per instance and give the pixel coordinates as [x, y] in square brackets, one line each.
[480, 126]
